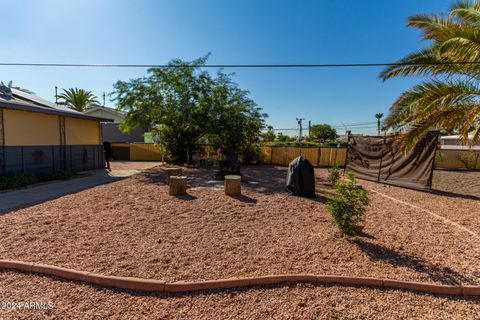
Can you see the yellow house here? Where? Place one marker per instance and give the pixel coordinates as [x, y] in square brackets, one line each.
[41, 137]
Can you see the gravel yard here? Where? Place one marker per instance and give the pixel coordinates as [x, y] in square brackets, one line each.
[457, 182]
[455, 196]
[133, 228]
[79, 301]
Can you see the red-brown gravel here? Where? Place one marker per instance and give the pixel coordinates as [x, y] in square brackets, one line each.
[133, 228]
[73, 300]
[461, 208]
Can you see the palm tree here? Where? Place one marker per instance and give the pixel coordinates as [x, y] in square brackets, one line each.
[78, 99]
[450, 98]
[379, 116]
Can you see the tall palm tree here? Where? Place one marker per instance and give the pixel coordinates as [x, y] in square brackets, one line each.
[78, 99]
[450, 98]
[379, 116]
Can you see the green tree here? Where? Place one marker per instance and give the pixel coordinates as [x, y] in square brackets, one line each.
[236, 121]
[284, 138]
[379, 116]
[269, 135]
[449, 99]
[78, 99]
[183, 104]
[323, 132]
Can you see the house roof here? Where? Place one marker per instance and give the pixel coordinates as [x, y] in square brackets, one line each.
[106, 109]
[456, 137]
[20, 100]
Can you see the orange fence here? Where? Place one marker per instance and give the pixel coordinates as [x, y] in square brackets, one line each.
[318, 156]
[137, 151]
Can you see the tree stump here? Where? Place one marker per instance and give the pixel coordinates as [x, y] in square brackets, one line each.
[233, 185]
[178, 185]
[169, 172]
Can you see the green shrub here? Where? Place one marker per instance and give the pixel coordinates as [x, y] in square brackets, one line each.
[305, 144]
[333, 175]
[23, 179]
[292, 144]
[468, 159]
[17, 180]
[334, 143]
[58, 175]
[349, 205]
[250, 153]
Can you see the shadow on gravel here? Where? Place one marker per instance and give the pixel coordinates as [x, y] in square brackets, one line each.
[186, 197]
[445, 275]
[264, 179]
[154, 175]
[454, 195]
[245, 199]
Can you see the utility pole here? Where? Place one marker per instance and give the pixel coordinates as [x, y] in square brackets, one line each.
[56, 95]
[103, 99]
[309, 127]
[300, 127]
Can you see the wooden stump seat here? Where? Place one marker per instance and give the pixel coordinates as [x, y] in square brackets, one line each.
[233, 185]
[169, 172]
[178, 185]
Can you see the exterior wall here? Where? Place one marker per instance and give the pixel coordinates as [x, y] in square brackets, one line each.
[456, 144]
[34, 143]
[79, 131]
[41, 160]
[22, 128]
[111, 133]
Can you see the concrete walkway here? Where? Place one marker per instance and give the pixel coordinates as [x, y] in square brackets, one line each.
[41, 192]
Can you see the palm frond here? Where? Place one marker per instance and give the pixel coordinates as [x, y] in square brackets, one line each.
[436, 105]
[461, 44]
[466, 11]
[433, 26]
[423, 62]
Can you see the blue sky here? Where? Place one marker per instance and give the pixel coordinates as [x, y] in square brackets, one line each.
[235, 32]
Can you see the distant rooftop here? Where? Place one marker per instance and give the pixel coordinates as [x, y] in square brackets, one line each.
[11, 98]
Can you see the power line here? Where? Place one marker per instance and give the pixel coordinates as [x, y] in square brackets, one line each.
[325, 65]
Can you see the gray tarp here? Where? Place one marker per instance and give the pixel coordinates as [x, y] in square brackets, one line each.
[379, 159]
[301, 178]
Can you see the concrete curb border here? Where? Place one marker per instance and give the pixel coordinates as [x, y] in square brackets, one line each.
[147, 285]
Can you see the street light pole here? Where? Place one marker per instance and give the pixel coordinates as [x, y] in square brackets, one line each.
[300, 127]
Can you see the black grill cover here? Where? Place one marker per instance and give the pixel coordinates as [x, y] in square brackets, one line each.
[301, 178]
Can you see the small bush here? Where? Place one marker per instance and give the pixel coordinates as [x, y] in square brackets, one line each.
[292, 144]
[17, 180]
[349, 205]
[58, 175]
[333, 175]
[250, 153]
[305, 144]
[468, 159]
